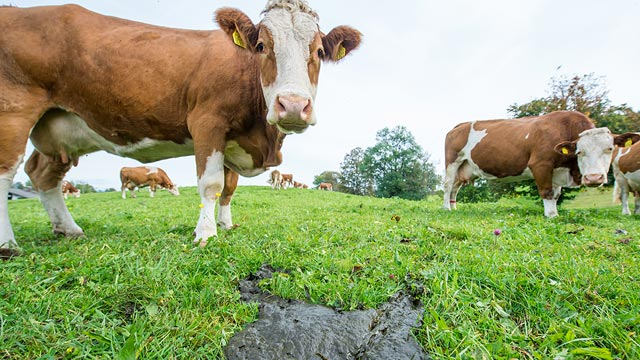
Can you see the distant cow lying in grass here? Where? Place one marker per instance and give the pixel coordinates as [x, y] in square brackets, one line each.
[560, 149]
[69, 189]
[626, 169]
[142, 176]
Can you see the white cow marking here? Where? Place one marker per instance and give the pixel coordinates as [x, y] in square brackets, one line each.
[7, 239]
[61, 219]
[292, 33]
[210, 185]
[66, 130]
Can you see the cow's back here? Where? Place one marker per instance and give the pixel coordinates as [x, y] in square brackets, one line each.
[505, 148]
[92, 64]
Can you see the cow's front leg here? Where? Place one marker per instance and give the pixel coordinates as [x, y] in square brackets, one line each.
[208, 144]
[46, 175]
[224, 205]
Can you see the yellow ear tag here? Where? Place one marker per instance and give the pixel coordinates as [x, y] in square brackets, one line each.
[628, 143]
[342, 52]
[237, 39]
[565, 151]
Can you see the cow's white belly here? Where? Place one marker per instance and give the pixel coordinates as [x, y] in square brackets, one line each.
[238, 160]
[633, 179]
[66, 133]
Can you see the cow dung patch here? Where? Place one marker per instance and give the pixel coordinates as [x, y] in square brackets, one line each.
[292, 329]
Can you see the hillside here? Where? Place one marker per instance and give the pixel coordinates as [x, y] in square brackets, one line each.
[136, 287]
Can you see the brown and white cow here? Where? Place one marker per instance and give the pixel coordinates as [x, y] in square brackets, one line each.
[299, 185]
[626, 170]
[69, 189]
[287, 180]
[325, 186]
[560, 149]
[143, 176]
[275, 179]
[76, 82]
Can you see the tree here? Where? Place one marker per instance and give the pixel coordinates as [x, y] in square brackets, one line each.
[398, 166]
[586, 94]
[84, 188]
[332, 177]
[353, 180]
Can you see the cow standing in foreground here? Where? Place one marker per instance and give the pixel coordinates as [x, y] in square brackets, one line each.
[325, 186]
[75, 82]
[626, 170]
[69, 189]
[141, 176]
[557, 150]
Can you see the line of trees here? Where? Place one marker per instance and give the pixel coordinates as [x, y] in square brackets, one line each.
[396, 166]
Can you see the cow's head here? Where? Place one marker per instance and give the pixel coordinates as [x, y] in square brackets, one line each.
[290, 47]
[173, 189]
[593, 150]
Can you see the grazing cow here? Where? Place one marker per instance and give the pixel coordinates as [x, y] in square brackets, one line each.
[325, 186]
[558, 149]
[142, 176]
[275, 180]
[69, 189]
[76, 82]
[626, 170]
[287, 180]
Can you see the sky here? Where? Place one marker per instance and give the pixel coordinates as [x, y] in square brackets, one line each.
[426, 65]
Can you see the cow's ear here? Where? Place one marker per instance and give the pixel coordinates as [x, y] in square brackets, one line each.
[626, 140]
[339, 42]
[566, 148]
[238, 26]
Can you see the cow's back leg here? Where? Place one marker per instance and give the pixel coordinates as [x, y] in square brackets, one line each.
[224, 203]
[19, 112]
[453, 182]
[623, 187]
[46, 175]
[637, 202]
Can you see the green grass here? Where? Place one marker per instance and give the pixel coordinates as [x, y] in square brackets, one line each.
[563, 288]
[592, 198]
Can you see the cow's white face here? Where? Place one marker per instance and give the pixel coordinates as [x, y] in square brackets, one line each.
[289, 47]
[593, 150]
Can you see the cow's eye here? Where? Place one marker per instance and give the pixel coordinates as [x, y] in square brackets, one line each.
[578, 153]
[321, 53]
[260, 47]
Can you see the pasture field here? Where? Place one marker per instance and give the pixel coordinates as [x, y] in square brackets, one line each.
[136, 287]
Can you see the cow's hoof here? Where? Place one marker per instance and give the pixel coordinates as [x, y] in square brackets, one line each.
[8, 254]
[200, 243]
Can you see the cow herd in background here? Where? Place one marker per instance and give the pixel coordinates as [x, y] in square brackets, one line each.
[279, 181]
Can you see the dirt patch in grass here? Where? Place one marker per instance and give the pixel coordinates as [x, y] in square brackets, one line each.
[294, 329]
